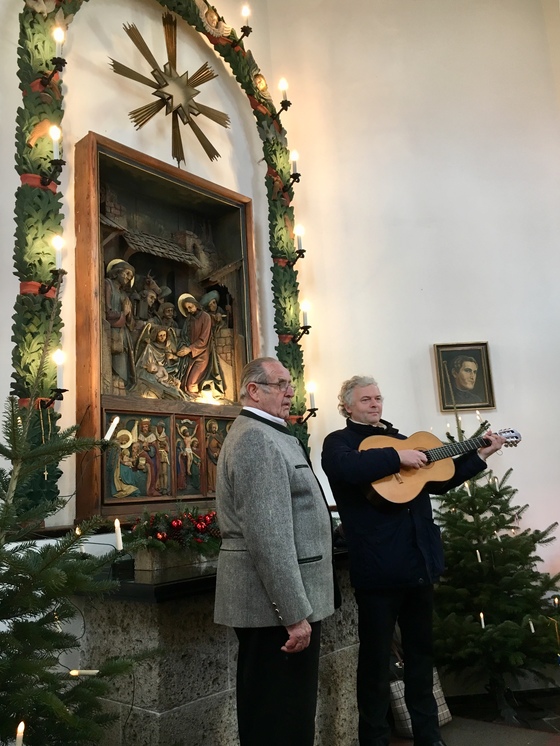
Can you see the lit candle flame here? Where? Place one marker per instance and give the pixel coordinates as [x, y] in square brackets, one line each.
[55, 134]
[58, 36]
[283, 86]
[311, 388]
[118, 535]
[19, 734]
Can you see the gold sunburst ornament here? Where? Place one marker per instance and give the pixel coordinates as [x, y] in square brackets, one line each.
[175, 92]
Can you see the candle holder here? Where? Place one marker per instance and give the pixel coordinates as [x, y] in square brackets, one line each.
[295, 177]
[311, 412]
[56, 169]
[57, 275]
[59, 63]
[300, 254]
[284, 106]
[245, 31]
[57, 395]
[302, 330]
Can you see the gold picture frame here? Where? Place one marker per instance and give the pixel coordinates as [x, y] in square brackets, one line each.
[464, 379]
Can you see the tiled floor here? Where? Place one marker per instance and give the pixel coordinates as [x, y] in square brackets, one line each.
[464, 732]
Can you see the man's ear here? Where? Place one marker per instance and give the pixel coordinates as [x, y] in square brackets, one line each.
[253, 391]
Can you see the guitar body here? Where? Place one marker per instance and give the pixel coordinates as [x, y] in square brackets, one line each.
[408, 483]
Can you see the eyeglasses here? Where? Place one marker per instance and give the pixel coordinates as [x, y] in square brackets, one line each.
[280, 385]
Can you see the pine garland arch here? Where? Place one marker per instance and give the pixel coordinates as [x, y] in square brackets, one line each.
[38, 208]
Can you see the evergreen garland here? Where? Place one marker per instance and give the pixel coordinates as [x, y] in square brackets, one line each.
[38, 208]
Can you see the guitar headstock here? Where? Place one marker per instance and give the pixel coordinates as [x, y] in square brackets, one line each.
[512, 436]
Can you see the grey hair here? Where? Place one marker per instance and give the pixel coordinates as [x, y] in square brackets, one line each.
[255, 372]
[347, 389]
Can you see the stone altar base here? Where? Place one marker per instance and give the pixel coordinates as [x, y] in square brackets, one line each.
[185, 696]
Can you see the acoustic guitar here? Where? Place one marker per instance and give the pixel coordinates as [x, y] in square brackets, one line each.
[408, 483]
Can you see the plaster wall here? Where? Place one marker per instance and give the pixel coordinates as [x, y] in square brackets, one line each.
[429, 144]
[429, 147]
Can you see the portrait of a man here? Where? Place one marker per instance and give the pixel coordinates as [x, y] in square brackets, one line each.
[463, 373]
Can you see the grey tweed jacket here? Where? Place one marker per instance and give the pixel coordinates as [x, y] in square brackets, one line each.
[275, 562]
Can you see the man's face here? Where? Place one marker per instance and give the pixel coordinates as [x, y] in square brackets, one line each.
[213, 305]
[168, 312]
[145, 426]
[465, 378]
[125, 276]
[191, 308]
[273, 399]
[366, 406]
[151, 298]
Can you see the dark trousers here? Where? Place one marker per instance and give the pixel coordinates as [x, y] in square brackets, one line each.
[377, 613]
[276, 691]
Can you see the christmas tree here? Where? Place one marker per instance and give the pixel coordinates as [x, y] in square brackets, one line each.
[38, 580]
[496, 618]
[37, 583]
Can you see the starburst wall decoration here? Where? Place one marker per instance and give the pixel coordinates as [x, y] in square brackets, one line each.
[175, 92]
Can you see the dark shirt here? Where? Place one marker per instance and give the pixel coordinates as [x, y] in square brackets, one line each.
[389, 544]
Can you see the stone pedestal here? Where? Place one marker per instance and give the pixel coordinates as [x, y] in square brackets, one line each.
[185, 694]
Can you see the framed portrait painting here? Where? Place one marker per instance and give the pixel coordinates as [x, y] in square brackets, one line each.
[464, 379]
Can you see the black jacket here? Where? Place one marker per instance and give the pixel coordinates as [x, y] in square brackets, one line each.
[389, 544]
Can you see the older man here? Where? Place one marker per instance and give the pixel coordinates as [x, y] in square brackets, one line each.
[395, 554]
[275, 578]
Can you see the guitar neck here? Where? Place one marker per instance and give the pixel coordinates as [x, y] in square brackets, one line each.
[454, 449]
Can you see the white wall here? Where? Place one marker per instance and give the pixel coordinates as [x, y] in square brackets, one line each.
[429, 147]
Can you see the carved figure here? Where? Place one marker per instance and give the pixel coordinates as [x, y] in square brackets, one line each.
[118, 313]
[214, 443]
[194, 346]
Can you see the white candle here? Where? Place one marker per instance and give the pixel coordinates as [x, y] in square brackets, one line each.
[78, 532]
[59, 357]
[478, 556]
[55, 134]
[283, 86]
[468, 489]
[118, 535]
[531, 627]
[294, 155]
[112, 427]
[482, 620]
[311, 388]
[84, 672]
[19, 734]
[58, 35]
[305, 306]
[498, 536]
[556, 602]
[478, 417]
[299, 230]
[58, 243]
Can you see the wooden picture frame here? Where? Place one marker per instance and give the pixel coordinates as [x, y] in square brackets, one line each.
[165, 318]
[464, 378]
